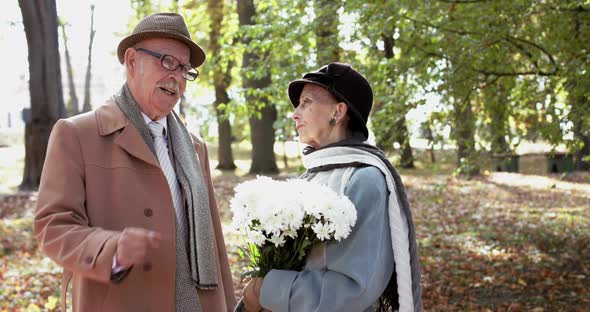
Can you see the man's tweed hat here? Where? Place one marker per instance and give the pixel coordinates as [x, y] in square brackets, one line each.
[162, 25]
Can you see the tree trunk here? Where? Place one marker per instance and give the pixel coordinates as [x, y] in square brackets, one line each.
[464, 132]
[225, 155]
[496, 97]
[285, 157]
[47, 105]
[72, 106]
[579, 117]
[499, 143]
[221, 82]
[402, 135]
[264, 114]
[582, 155]
[326, 31]
[263, 138]
[430, 137]
[87, 100]
[403, 138]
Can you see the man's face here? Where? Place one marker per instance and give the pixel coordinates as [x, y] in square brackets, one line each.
[155, 88]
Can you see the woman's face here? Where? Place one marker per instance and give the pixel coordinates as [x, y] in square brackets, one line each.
[312, 116]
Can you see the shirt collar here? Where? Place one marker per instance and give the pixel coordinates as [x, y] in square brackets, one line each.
[161, 121]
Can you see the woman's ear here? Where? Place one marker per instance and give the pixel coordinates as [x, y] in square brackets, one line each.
[341, 110]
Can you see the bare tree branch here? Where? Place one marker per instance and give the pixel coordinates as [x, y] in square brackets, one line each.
[536, 46]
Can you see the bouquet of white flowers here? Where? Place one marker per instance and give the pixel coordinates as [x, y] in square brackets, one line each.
[283, 219]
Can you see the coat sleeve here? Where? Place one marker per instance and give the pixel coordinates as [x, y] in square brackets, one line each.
[358, 268]
[61, 225]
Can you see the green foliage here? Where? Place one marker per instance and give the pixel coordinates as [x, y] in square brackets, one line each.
[289, 256]
[284, 40]
[459, 49]
[519, 68]
[142, 8]
[494, 100]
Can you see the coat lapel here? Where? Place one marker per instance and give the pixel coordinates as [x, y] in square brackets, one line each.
[133, 143]
[110, 119]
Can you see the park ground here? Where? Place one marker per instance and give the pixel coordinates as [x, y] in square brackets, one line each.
[496, 242]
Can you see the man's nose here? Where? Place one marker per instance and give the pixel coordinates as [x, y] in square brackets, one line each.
[177, 74]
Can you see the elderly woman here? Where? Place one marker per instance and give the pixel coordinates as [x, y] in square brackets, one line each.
[376, 266]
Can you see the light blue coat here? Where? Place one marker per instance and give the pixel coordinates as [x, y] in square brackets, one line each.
[349, 275]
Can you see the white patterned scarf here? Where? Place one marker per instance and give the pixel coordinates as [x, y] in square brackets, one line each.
[403, 237]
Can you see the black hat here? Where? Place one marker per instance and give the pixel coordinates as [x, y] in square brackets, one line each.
[347, 85]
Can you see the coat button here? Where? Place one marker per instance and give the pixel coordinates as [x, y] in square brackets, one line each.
[147, 266]
[148, 212]
[88, 259]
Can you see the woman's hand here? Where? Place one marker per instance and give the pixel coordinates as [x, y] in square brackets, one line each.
[252, 295]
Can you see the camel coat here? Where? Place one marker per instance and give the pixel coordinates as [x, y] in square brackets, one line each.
[100, 177]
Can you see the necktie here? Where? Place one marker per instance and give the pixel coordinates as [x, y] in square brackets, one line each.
[161, 148]
[186, 294]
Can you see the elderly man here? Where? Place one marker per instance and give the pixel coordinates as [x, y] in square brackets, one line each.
[126, 201]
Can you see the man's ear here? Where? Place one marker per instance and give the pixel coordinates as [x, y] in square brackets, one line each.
[130, 61]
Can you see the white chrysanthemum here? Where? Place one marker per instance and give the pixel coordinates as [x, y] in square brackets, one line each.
[269, 210]
[293, 213]
[290, 233]
[312, 206]
[340, 230]
[277, 240]
[256, 237]
[271, 222]
[247, 198]
[322, 231]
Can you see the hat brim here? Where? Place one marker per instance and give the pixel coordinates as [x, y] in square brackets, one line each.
[296, 87]
[197, 53]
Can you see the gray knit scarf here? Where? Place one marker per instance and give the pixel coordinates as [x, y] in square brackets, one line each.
[189, 174]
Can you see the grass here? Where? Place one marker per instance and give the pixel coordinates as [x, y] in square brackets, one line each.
[11, 137]
[11, 159]
[11, 168]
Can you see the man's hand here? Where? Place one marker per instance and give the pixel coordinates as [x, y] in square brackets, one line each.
[252, 295]
[133, 245]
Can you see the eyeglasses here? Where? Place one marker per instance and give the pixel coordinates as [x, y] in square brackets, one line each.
[171, 63]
